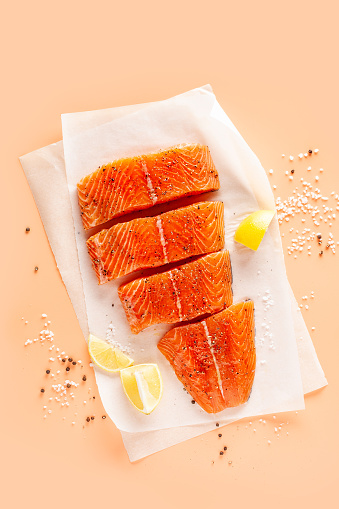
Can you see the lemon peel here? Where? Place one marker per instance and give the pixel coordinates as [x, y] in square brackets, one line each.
[106, 356]
[143, 386]
[252, 229]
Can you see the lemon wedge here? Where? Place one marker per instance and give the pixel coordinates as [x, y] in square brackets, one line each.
[143, 386]
[252, 229]
[106, 356]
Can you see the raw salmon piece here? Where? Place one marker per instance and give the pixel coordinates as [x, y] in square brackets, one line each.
[215, 358]
[135, 183]
[153, 241]
[196, 288]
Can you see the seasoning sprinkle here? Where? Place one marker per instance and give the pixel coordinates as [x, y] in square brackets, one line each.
[36, 269]
[48, 371]
[88, 419]
[219, 435]
[68, 368]
[221, 453]
[104, 417]
[84, 378]
[28, 229]
[42, 390]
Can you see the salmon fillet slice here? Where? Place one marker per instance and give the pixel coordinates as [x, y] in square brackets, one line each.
[152, 241]
[135, 183]
[215, 359]
[194, 289]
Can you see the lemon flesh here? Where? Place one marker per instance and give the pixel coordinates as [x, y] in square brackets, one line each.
[252, 229]
[106, 356]
[143, 386]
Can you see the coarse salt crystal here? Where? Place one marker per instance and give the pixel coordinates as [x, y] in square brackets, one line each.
[291, 158]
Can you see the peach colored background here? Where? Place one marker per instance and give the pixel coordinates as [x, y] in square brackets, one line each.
[274, 70]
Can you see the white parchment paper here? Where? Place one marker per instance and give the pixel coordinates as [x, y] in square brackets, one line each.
[244, 188]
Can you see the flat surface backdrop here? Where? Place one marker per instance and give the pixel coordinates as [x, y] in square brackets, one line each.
[273, 69]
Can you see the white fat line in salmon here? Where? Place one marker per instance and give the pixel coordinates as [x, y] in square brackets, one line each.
[162, 239]
[152, 194]
[176, 295]
[214, 359]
